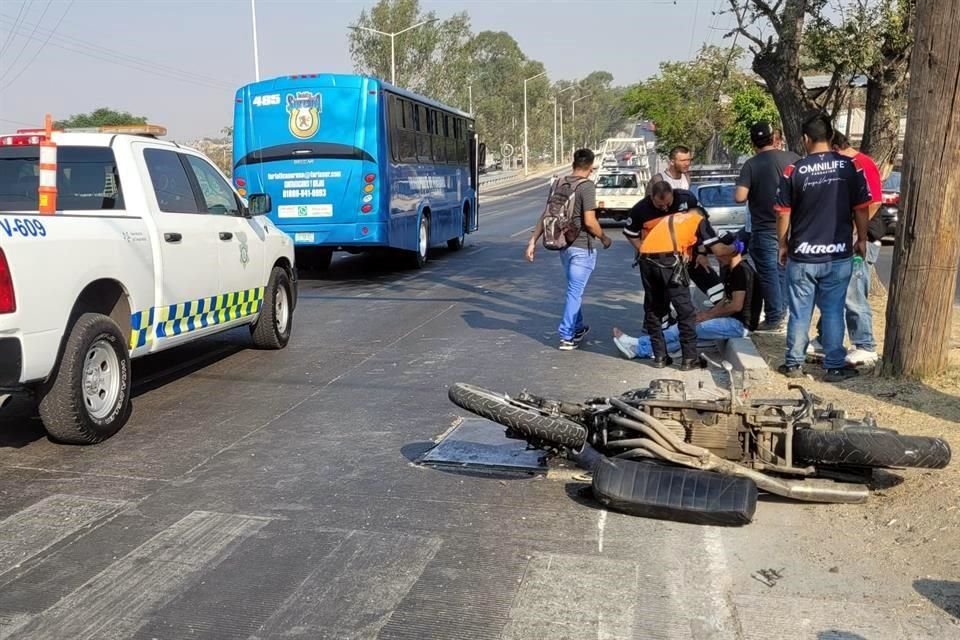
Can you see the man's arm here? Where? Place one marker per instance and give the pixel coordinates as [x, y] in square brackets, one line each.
[594, 229]
[534, 238]
[743, 183]
[783, 207]
[726, 308]
[861, 217]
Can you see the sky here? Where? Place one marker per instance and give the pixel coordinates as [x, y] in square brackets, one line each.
[180, 62]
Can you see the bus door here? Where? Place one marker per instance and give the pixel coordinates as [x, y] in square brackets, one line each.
[478, 158]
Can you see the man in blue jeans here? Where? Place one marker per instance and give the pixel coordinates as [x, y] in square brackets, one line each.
[818, 200]
[757, 186]
[735, 317]
[580, 257]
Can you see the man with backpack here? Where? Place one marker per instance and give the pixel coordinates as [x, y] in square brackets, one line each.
[569, 226]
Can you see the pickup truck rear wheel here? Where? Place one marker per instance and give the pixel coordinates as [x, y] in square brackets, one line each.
[87, 399]
[272, 329]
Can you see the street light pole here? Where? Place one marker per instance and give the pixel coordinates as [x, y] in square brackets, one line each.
[573, 115]
[392, 36]
[470, 93]
[556, 99]
[562, 148]
[526, 149]
[256, 52]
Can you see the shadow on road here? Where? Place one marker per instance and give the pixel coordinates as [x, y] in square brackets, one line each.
[836, 634]
[943, 593]
[20, 424]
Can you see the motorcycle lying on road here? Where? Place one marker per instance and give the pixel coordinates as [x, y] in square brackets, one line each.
[665, 455]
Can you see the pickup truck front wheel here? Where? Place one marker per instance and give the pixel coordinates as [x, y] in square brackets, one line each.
[272, 330]
[87, 399]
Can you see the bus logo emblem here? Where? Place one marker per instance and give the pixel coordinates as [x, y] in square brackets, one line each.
[304, 109]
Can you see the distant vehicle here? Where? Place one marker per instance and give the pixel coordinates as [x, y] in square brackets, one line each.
[726, 214]
[353, 163]
[713, 173]
[890, 207]
[617, 192]
[167, 255]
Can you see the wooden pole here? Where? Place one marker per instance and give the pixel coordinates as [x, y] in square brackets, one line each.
[920, 307]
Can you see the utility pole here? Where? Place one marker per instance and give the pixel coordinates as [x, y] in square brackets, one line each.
[256, 51]
[470, 93]
[920, 308]
[526, 150]
[573, 104]
[562, 147]
[392, 36]
[556, 99]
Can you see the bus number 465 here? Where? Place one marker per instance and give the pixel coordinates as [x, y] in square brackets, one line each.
[267, 101]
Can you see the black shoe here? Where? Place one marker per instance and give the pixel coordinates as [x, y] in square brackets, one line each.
[772, 327]
[581, 334]
[689, 365]
[660, 363]
[840, 375]
[793, 371]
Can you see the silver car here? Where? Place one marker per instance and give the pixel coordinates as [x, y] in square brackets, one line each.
[725, 213]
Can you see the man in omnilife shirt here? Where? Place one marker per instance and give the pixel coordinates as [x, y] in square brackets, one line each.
[819, 200]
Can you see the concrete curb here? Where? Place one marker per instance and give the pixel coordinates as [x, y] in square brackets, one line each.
[746, 360]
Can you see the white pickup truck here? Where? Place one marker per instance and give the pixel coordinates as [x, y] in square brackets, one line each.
[617, 192]
[149, 248]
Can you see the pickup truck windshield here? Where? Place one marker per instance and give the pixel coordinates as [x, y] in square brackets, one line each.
[618, 181]
[87, 179]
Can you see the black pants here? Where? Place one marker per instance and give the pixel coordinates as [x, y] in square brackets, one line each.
[660, 293]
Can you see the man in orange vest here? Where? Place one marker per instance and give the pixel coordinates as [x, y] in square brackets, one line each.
[665, 250]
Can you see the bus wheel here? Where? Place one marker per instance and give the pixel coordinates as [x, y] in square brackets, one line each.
[457, 243]
[419, 256]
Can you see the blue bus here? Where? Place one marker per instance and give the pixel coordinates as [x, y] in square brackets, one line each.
[352, 163]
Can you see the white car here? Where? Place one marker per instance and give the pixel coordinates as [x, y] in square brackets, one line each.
[149, 247]
[617, 192]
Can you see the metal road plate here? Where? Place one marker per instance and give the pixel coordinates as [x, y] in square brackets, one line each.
[482, 444]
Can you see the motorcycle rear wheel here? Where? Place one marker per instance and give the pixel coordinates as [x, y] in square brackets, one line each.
[870, 448]
[521, 418]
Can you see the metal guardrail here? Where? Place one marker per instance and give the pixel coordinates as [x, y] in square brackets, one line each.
[498, 177]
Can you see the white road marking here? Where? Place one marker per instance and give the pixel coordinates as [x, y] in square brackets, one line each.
[118, 601]
[724, 618]
[523, 231]
[601, 525]
[43, 524]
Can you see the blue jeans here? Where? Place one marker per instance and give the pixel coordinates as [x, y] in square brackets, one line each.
[765, 252]
[713, 329]
[859, 314]
[824, 284]
[578, 263]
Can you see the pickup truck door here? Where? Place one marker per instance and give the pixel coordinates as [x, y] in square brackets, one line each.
[240, 239]
[188, 295]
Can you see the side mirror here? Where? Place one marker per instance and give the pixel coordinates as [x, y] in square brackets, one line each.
[260, 204]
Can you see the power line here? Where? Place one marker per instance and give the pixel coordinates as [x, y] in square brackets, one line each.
[27, 42]
[42, 46]
[12, 37]
[693, 28]
[113, 56]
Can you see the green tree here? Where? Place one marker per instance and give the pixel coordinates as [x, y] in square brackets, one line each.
[690, 101]
[102, 117]
[431, 59]
[751, 104]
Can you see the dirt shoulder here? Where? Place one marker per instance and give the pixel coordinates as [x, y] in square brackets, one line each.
[912, 523]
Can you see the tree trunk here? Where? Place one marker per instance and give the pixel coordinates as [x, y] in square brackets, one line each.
[927, 251]
[789, 94]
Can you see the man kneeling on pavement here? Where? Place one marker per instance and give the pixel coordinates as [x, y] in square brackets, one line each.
[735, 317]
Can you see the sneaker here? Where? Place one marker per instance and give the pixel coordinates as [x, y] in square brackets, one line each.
[581, 334]
[794, 371]
[814, 348]
[840, 375]
[861, 357]
[773, 327]
[627, 346]
[568, 345]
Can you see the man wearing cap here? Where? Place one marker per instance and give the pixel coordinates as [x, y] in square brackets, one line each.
[757, 186]
[735, 317]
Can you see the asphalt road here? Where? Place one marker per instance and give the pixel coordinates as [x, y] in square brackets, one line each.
[275, 495]
[885, 266]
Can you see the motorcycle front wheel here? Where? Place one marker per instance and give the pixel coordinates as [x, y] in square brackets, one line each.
[521, 418]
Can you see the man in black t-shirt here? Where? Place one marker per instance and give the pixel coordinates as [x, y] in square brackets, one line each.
[735, 317]
[757, 186]
[819, 199]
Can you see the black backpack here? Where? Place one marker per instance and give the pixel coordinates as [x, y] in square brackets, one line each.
[559, 228]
